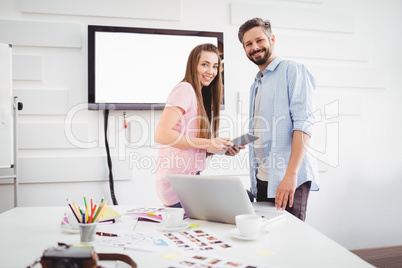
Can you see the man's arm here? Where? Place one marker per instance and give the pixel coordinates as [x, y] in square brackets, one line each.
[287, 187]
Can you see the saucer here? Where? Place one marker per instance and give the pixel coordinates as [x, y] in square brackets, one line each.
[69, 230]
[163, 228]
[236, 234]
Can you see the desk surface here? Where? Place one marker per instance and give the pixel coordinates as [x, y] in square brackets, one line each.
[26, 232]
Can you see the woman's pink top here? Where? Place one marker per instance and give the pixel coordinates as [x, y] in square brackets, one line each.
[175, 160]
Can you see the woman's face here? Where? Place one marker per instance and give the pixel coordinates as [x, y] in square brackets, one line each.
[207, 67]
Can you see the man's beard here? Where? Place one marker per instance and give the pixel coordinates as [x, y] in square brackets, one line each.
[262, 60]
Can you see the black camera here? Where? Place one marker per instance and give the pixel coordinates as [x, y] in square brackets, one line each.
[65, 256]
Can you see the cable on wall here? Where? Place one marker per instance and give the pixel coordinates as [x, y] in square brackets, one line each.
[109, 160]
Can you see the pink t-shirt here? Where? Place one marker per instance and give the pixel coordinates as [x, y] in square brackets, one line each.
[174, 160]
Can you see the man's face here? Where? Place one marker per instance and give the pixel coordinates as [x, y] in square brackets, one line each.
[258, 46]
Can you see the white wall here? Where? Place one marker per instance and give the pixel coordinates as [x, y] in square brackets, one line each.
[351, 46]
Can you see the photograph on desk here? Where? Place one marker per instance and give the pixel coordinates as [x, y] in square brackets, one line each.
[211, 261]
[198, 239]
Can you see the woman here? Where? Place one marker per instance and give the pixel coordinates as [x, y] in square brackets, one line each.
[187, 130]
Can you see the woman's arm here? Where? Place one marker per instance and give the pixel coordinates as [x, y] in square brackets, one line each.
[165, 134]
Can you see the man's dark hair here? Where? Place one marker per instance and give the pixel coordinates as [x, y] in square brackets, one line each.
[255, 22]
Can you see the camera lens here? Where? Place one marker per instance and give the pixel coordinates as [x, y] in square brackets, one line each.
[66, 263]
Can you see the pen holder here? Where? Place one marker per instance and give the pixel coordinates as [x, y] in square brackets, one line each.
[87, 232]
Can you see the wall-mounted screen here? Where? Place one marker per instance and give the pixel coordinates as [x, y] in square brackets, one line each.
[136, 68]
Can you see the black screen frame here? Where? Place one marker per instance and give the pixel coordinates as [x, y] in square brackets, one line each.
[92, 29]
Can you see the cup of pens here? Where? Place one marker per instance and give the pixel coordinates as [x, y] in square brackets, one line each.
[87, 232]
[87, 218]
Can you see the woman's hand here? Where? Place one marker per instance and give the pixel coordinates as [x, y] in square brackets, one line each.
[234, 150]
[218, 145]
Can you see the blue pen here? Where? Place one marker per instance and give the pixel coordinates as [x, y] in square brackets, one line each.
[83, 217]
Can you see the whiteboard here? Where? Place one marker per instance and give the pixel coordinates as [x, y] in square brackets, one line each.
[6, 127]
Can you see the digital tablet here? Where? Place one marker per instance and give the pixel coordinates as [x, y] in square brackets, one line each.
[242, 140]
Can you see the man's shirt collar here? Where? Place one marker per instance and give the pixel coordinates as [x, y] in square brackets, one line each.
[271, 67]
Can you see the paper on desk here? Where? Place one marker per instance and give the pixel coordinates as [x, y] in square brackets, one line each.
[137, 241]
[109, 214]
[152, 214]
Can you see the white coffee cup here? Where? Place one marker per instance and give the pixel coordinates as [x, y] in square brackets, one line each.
[249, 225]
[172, 217]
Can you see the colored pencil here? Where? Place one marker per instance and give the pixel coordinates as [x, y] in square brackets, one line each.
[92, 213]
[101, 213]
[86, 209]
[76, 209]
[99, 209]
[76, 214]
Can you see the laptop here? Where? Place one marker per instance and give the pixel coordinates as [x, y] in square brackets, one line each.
[218, 198]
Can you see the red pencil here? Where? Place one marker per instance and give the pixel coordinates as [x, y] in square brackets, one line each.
[92, 213]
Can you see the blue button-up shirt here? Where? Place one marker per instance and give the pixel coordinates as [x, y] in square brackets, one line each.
[286, 105]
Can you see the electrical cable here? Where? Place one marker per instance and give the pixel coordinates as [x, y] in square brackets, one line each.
[109, 160]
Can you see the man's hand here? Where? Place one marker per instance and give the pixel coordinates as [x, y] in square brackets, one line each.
[287, 187]
[286, 191]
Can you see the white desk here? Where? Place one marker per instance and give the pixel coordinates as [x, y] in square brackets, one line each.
[26, 232]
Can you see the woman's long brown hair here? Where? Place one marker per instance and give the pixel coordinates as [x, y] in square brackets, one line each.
[208, 98]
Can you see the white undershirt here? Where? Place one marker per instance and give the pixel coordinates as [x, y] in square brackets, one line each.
[262, 173]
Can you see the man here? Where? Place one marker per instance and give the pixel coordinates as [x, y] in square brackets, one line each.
[281, 115]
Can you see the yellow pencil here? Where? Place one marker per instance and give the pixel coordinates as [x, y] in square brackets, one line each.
[101, 211]
[98, 210]
[86, 214]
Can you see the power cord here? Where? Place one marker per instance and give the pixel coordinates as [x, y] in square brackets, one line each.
[109, 160]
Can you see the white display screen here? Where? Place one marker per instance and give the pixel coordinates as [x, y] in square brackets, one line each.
[133, 70]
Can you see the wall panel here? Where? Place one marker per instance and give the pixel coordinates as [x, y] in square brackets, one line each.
[48, 135]
[42, 34]
[317, 19]
[72, 169]
[138, 9]
[349, 103]
[43, 101]
[27, 67]
[348, 76]
[322, 48]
